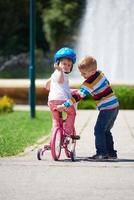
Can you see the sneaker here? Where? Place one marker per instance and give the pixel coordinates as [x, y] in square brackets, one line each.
[112, 157]
[98, 157]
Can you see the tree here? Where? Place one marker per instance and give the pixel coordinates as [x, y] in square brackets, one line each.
[14, 27]
[60, 21]
[56, 23]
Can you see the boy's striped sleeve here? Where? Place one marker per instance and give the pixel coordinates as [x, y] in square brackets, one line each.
[82, 92]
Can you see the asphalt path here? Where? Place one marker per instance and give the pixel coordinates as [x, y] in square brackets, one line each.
[23, 177]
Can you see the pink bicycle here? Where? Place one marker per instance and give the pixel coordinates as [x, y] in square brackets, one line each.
[60, 140]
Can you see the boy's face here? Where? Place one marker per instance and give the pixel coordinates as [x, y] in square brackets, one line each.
[86, 73]
[66, 64]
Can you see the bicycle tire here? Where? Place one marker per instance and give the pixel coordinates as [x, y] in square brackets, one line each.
[39, 154]
[56, 142]
[69, 147]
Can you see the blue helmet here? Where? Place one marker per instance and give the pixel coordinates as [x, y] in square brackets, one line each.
[65, 52]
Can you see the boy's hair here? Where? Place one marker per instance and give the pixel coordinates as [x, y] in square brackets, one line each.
[88, 62]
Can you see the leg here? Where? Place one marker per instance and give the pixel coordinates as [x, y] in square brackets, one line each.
[55, 114]
[70, 120]
[103, 137]
[109, 137]
[99, 132]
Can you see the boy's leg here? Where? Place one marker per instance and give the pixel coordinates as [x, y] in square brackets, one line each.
[99, 132]
[109, 137]
[103, 136]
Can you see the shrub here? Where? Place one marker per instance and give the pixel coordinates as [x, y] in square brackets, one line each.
[6, 104]
[87, 103]
[125, 95]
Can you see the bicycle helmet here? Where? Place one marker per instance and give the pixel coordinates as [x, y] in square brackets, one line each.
[65, 52]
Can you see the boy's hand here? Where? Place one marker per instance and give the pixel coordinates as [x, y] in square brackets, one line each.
[61, 108]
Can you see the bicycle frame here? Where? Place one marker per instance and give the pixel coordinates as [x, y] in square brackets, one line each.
[60, 140]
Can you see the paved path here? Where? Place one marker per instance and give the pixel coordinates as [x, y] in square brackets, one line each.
[25, 178]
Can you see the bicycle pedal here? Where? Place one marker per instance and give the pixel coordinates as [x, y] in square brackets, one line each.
[75, 137]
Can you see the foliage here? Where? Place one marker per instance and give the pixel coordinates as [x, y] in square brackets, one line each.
[56, 25]
[14, 27]
[125, 95]
[60, 21]
[53, 15]
[6, 104]
[18, 131]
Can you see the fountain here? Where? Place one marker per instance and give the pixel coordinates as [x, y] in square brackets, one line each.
[106, 33]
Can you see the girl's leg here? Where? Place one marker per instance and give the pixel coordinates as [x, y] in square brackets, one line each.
[55, 114]
[70, 120]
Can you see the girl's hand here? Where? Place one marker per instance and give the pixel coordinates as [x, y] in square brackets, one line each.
[56, 66]
[61, 108]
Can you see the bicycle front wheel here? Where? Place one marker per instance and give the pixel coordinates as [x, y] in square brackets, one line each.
[56, 142]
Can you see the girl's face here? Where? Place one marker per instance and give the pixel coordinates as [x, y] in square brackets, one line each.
[65, 64]
[86, 73]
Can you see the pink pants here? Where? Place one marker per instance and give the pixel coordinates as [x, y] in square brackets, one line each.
[70, 120]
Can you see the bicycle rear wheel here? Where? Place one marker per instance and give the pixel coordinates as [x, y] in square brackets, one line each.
[56, 142]
[69, 146]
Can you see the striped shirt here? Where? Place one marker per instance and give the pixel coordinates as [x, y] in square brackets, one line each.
[99, 88]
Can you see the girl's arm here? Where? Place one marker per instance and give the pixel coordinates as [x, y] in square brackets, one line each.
[47, 84]
[59, 73]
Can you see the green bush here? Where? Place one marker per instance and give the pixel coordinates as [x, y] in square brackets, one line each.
[6, 104]
[87, 103]
[124, 93]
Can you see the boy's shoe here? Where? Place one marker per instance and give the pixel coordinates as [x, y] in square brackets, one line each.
[112, 157]
[99, 157]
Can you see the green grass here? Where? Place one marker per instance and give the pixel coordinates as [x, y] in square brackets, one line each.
[18, 131]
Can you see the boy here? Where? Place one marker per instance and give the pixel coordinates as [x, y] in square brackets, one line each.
[107, 103]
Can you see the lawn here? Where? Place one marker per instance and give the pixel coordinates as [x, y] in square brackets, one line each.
[18, 131]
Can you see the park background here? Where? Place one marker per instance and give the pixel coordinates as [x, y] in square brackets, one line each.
[103, 29]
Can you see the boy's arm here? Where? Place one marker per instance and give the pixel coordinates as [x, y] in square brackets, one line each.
[80, 94]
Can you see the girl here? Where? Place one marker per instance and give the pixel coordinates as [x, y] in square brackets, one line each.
[58, 86]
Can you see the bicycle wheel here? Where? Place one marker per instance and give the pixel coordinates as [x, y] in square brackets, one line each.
[69, 146]
[39, 154]
[41, 151]
[56, 142]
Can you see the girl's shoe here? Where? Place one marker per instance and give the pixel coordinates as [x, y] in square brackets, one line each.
[75, 137]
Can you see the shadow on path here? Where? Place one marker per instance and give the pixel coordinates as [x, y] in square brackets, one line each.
[79, 159]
